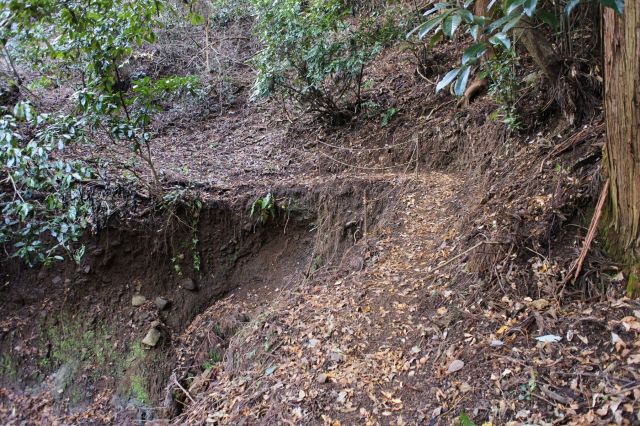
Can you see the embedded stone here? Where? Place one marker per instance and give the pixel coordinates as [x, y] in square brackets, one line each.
[138, 300]
[152, 338]
[188, 284]
[162, 303]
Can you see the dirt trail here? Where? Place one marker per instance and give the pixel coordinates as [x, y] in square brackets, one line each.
[400, 333]
[351, 346]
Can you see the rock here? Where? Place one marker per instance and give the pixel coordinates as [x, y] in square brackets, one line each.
[61, 379]
[540, 304]
[57, 280]
[138, 300]
[162, 303]
[152, 338]
[322, 378]
[188, 284]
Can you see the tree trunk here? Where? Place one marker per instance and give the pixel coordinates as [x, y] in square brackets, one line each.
[541, 51]
[622, 152]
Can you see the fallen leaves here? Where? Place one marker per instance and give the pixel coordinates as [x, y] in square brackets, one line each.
[392, 344]
[456, 365]
[549, 338]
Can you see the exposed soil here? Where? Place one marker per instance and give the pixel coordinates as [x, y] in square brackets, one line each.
[405, 275]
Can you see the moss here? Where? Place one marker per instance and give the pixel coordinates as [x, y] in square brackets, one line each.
[138, 390]
[633, 284]
[71, 342]
[8, 367]
[90, 350]
[614, 248]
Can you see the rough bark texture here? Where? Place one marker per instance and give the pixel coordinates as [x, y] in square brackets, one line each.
[622, 108]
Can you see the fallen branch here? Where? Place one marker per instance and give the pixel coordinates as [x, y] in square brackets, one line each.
[577, 267]
[186, 392]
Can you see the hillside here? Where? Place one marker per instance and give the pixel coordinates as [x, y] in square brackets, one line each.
[413, 260]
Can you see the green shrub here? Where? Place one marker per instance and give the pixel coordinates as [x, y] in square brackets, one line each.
[264, 207]
[225, 11]
[504, 86]
[43, 208]
[314, 53]
[84, 45]
[447, 18]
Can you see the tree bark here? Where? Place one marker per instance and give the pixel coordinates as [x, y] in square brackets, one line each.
[622, 151]
[541, 51]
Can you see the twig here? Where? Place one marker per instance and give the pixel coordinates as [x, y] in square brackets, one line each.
[460, 255]
[439, 107]
[365, 213]
[13, 68]
[15, 189]
[186, 392]
[423, 77]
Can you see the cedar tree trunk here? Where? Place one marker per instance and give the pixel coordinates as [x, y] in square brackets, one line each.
[622, 151]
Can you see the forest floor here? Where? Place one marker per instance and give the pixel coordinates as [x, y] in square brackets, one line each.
[418, 275]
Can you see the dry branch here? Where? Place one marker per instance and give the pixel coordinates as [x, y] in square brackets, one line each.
[577, 267]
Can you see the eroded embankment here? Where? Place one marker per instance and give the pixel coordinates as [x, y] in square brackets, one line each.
[97, 340]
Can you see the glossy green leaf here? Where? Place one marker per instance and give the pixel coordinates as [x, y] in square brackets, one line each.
[451, 24]
[511, 23]
[435, 8]
[529, 7]
[461, 82]
[426, 27]
[498, 23]
[571, 4]
[501, 39]
[548, 18]
[512, 5]
[473, 53]
[447, 79]
[466, 15]
[474, 31]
